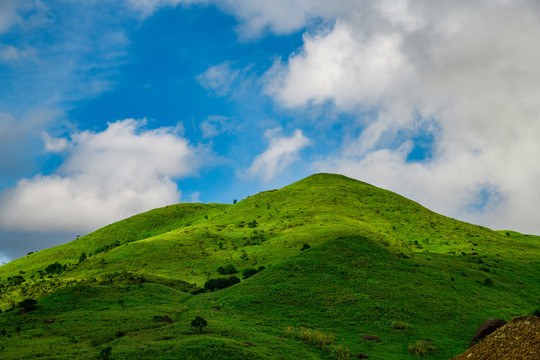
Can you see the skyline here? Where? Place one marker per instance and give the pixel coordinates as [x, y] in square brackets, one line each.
[110, 110]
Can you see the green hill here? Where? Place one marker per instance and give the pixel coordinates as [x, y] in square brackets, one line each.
[375, 264]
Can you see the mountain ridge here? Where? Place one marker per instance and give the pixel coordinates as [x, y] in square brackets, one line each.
[375, 260]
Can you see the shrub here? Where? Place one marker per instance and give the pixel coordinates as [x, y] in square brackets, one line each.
[82, 257]
[55, 268]
[198, 291]
[199, 323]
[305, 247]
[28, 304]
[536, 312]
[398, 325]
[252, 224]
[248, 273]
[227, 270]
[422, 347]
[488, 282]
[105, 353]
[220, 283]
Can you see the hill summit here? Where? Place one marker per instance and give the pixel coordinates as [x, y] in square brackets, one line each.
[325, 268]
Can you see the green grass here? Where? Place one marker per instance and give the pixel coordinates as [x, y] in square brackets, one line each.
[379, 264]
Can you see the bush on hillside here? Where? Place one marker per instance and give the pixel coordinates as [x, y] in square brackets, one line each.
[28, 304]
[198, 291]
[227, 270]
[105, 353]
[246, 273]
[55, 268]
[221, 283]
[305, 247]
[199, 323]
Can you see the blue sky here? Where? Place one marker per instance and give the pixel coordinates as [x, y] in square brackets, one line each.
[108, 109]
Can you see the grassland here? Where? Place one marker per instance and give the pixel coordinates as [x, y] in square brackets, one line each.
[377, 264]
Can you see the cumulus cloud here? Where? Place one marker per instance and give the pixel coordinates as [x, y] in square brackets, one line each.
[281, 153]
[106, 176]
[468, 68]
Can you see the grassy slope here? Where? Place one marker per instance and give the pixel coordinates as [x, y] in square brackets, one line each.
[350, 282]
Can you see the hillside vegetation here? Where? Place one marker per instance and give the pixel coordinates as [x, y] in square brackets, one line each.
[326, 260]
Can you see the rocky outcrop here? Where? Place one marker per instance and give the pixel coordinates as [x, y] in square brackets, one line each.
[517, 340]
[489, 326]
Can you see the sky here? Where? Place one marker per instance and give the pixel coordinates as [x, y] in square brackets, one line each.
[111, 108]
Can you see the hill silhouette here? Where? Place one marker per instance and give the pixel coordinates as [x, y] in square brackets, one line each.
[375, 264]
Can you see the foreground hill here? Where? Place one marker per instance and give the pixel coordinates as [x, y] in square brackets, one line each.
[519, 340]
[375, 264]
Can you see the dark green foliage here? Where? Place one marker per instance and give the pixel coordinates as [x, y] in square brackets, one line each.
[3, 332]
[28, 304]
[199, 323]
[227, 270]
[536, 312]
[234, 202]
[106, 247]
[221, 283]
[252, 224]
[305, 247]
[488, 282]
[82, 257]
[55, 268]
[15, 280]
[105, 353]
[250, 272]
[198, 291]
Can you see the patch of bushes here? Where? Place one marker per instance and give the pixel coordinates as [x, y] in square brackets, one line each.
[422, 347]
[198, 291]
[399, 325]
[55, 268]
[250, 272]
[28, 304]
[220, 283]
[199, 323]
[305, 247]
[227, 270]
[106, 247]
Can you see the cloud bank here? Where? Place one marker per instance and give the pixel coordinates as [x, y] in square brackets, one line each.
[463, 73]
[107, 176]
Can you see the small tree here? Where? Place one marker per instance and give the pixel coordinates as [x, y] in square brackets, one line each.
[105, 353]
[82, 257]
[305, 247]
[28, 304]
[199, 323]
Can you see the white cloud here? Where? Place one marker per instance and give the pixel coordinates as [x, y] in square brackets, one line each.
[470, 68]
[218, 78]
[54, 144]
[11, 53]
[8, 14]
[281, 153]
[107, 176]
[216, 125]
